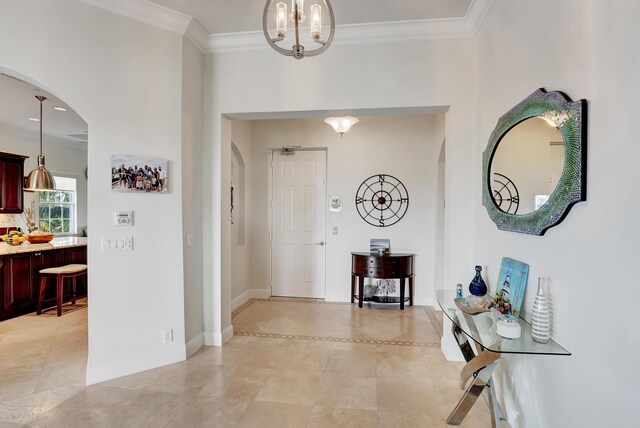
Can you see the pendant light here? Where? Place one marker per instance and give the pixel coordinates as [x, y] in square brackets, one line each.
[275, 22]
[40, 179]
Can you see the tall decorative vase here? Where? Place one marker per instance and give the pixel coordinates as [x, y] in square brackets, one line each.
[477, 286]
[540, 324]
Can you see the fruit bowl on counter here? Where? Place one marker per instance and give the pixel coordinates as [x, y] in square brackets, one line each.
[38, 237]
[14, 238]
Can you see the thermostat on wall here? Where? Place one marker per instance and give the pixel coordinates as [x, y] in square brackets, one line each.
[123, 218]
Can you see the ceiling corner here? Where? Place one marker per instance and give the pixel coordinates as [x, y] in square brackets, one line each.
[147, 12]
[197, 35]
[477, 14]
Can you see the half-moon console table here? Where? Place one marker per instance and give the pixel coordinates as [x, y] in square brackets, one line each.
[389, 266]
[476, 378]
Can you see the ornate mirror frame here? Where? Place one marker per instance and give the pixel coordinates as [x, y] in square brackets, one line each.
[571, 119]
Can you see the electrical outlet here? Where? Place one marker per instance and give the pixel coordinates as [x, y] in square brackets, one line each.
[167, 336]
[334, 230]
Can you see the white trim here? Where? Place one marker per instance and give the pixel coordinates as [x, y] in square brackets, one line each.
[478, 12]
[254, 293]
[208, 339]
[147, 12]
[194, 345]
[140, 363]
[379, 32]
[197, 35]
[227, 335]
[218, 339]
[382, 32]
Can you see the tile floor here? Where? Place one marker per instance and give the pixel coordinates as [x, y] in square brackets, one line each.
[293, 363]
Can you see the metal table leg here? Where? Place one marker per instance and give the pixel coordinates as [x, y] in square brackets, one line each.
[480, 367]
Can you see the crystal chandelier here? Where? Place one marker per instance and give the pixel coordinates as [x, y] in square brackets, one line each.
[319, 32]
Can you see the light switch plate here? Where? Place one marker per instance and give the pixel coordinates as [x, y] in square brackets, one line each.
[191, 240]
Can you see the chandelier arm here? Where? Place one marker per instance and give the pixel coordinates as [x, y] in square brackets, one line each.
[296, 23]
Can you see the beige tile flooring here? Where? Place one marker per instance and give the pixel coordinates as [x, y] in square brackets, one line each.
[293, 363]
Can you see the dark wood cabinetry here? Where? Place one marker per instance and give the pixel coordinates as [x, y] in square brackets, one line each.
[19, 278]
[11, 183]
[19, 290]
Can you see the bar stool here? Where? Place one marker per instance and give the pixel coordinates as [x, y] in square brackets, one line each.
[60, 274]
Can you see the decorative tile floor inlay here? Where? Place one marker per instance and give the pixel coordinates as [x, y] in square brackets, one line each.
[292, 318]
[302, 364]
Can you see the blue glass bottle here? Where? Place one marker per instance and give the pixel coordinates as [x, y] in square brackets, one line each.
[477, 286]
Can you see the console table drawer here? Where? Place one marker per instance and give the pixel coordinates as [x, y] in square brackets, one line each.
[393, 272]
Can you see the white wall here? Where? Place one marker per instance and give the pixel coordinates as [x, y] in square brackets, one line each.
[123, 77]
[241, 259]
[66, 158]
[192, 188]
[402, 146]
[376, 76]
[586, 49]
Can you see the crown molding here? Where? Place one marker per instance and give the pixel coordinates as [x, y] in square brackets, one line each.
[197, 35]
[147, 12]
[381, 32]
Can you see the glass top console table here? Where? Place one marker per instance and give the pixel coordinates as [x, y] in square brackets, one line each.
[489, 347]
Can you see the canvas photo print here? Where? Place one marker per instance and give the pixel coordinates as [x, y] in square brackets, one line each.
[511, 284]
[139, 174]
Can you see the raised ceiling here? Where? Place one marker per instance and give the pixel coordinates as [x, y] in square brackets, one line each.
[234, 16]
[18, 103]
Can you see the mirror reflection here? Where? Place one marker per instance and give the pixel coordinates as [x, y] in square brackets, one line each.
[527, 166]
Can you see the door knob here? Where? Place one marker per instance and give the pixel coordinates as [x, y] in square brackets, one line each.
[321, 243]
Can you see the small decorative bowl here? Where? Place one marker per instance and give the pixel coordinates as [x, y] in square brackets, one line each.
[10, 242]
[473, 304]
[40, 239]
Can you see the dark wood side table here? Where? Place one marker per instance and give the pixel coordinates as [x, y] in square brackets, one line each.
[389, 266]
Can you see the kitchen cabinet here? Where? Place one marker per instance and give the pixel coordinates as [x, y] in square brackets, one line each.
[19, 290]
[11, 183]
[19, 274]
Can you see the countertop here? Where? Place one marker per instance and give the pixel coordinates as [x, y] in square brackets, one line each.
[57, 243]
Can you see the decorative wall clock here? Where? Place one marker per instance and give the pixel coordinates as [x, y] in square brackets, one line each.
[382, 200]
[505, 194]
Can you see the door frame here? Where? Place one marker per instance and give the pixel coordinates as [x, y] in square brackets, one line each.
[270, 205]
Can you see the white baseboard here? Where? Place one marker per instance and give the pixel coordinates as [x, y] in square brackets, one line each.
[254, 293]
[137, 364]
[336, 298]
[208, 339]
[218, 339]
[227, 335]
[194, 345]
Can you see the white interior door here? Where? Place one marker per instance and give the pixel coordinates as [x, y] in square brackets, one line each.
[298, 224]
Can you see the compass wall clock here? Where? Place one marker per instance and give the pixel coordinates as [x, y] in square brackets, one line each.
[505, 194]
[382, 200]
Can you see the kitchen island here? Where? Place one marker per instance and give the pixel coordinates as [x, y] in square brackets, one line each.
[21, 264]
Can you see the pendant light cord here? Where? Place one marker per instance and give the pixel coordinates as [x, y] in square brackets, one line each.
[41, 99]
[41, 127]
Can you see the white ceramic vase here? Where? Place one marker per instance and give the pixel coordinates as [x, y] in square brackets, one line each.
[540, 324]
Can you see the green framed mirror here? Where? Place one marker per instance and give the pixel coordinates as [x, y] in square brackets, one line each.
[534, 166]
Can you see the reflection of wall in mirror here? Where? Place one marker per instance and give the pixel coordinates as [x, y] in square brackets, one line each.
[530, 155]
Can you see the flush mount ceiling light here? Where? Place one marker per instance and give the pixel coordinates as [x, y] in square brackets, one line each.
[319, 32]
[40, 179]
[341, 124]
